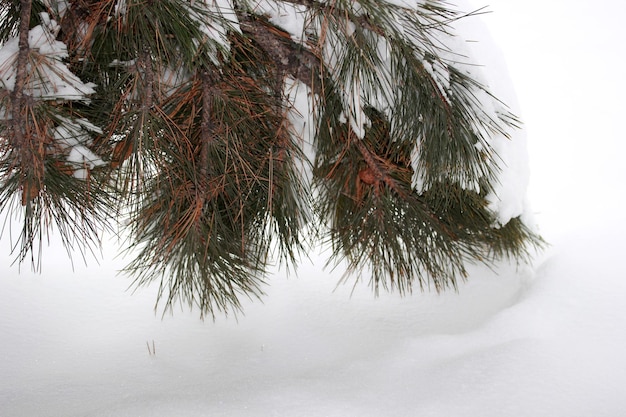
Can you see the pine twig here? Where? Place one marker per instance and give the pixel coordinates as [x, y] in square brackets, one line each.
[18, 122]
[288, 56]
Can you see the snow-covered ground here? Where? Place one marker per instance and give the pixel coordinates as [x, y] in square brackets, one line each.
[514, 344]
[542, 341]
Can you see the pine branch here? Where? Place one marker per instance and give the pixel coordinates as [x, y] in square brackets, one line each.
[205, 160]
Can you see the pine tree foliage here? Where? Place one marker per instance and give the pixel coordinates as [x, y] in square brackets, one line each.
[173, 120]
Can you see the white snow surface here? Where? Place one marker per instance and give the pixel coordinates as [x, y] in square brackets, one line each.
[513, 343]
[546, 340]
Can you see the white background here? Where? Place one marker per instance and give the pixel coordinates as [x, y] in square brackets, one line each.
[547, 341]
[566, 60]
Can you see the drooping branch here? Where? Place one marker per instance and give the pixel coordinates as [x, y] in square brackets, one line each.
[196, 105]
